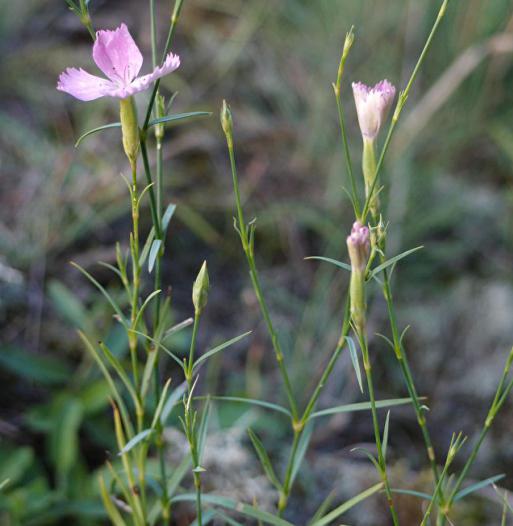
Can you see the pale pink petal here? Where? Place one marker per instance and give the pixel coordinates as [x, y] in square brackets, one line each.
[171, 63]
[83, 85]
[117, 55]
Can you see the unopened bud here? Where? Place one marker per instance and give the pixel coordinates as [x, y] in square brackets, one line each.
[348, 42]
[358, 245]
[200, 289]
[226, 119]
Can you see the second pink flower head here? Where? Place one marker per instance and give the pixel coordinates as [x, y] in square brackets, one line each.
[119, 58]
[358, 246]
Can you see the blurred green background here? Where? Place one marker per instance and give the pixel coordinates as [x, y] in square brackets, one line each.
[448, 187]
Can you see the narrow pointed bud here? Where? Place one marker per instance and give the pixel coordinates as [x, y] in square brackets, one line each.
[348, 43]
[129, 128]
[200, 289]
[226, 120]
[372, 105]
[358, 245]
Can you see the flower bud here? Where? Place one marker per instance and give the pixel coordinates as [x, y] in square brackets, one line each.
[358, 245]
[129, 128]
[372, 105]
[226, 120]
[200, 289]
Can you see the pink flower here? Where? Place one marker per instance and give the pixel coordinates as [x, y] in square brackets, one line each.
[358, 245]
[372, 105]
[118, 56]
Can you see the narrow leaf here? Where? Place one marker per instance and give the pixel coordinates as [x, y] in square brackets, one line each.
[327, 519]
[96, 130]
[361, 406]
[419, 494]
[301, 450]
[385, 435]
[154, 251]
[239, 507]
[477, 486]
[338, 264]
[109, 298]
[219, 348]
[135, 440]
[355, 361]
[168, 214]
[147, 245]
[160, 405]
[261, 403]
[392, 261]
[173, 399]
[264, 460]
[178, 117]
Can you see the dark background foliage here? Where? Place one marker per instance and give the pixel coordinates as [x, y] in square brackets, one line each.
[448, 187]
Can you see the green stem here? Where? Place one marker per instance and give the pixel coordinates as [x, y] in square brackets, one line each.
[408, 378]
[174, 20]
[346, 325]
[500, 397]
[248, 251]
[399, 107]
[375, 423]
[192, 348]
[285, 493]
[136, 274]
[347, 155]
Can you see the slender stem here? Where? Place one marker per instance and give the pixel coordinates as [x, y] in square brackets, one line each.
[192, 348]
[498, 401]
[248, 251]
[377, 432]
[346, 325]
[400, 104]
[136, 274]
[174, 20]
[285, 493]
[408, 377]
[347, 155]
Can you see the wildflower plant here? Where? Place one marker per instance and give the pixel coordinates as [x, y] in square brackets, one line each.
[142, 400]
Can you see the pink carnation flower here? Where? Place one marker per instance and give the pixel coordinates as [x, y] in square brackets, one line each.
[118, 56]
[372, 105]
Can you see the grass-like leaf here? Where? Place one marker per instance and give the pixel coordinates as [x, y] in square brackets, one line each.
[172, 400]
[219, 348]
[96, 130]
[413, 493]
[355, 361]
[230, 504]
[177, 117]
[168, 214]
[330, 517]
[385, 435]
[361, 406]
[154, 251]
[392, 261]
[135, 440]
[338, 264]
[477, 486]
[251, 401]
[301, 450]
[264, 460]
[109, 298]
